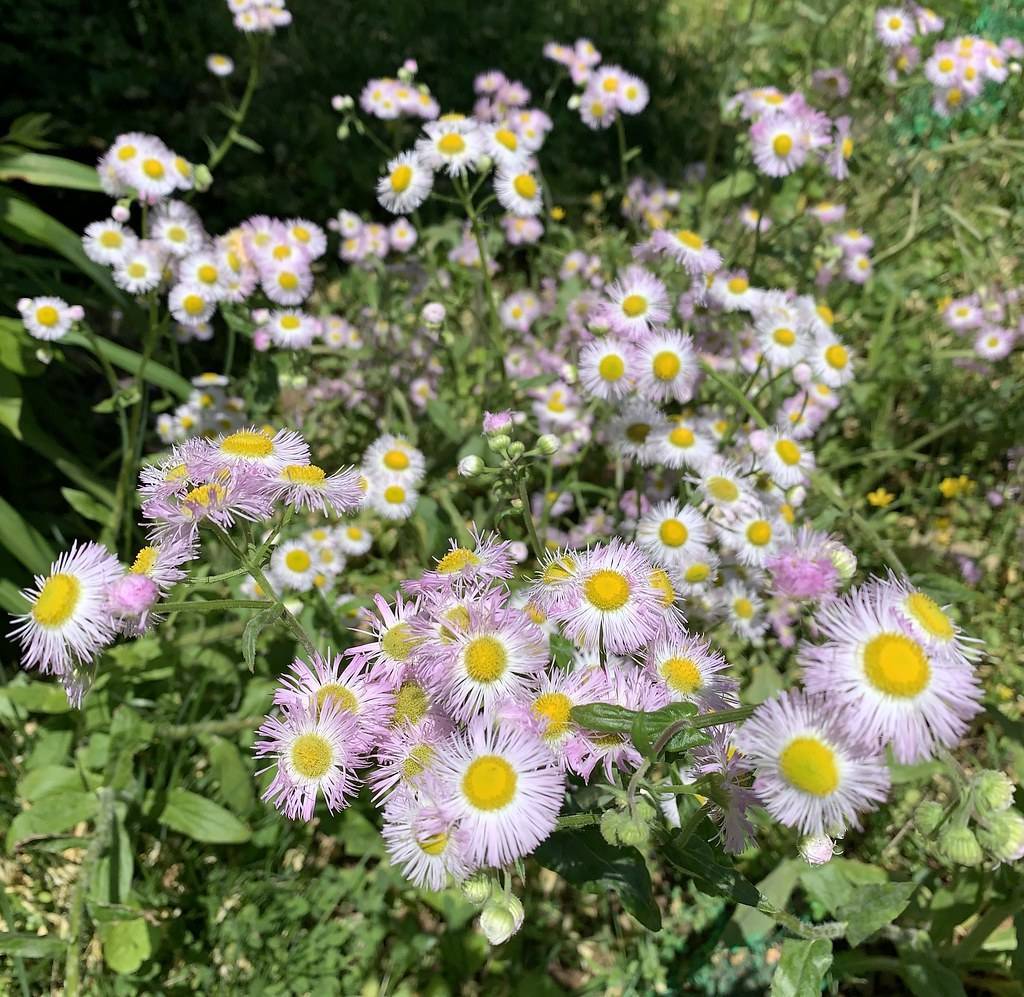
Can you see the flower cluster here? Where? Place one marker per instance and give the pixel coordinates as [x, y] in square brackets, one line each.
[207, 411]
[388, 98]
[364, 241]
[985, 321]
[608, 90]
[260, 16]
[140, 164]
[316, 558]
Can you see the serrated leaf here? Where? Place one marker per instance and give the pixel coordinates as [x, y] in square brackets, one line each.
[126, 944]
[802, 968]
[582, 857]
[202, 819]
[872, 907]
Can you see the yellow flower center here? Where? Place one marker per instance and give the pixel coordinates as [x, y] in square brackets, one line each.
[205, 495]
[525, 186]
[486, 659]
[759, 532]
[929, 616]
[682, 675]
[507, 138]
[895, 23]
[611, 367]
[304, 474]
[433, 844]
[451, 144]
[411, 704]
[896, 665]
[489, 783]
[788, 452]
[288, 280]
[312, 755]
[784, 337]
[297, 560]
[607, 590]
[247, 444]
[290, 322]
[456, 560]
[634, 305]
[659, 580]
[395, 494]
[144, 561]
[417, 761]
[673, 533]
[153, 169]
[282, 252]
[782, 145]
[193, 304]
[126, 152]
[681, 436]
[354, 533]
[743, 608]
[954, 96]
[638, 432]
[836, 356]
[558, 571]
[57, 600]
[697, 573]
[401, 177]
[300, 233]
[396, 460]
[722, 489]
[111, 240]
[810, 766]
[665, 365]
[690, 239]
[554, 707]
[47, 315]
[207, 274]
[738, 285]
[398, 642]
[847, 147]
[343, 698]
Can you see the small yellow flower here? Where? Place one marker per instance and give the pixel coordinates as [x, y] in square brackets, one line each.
[557, 213]
[880, 498]
[952, 487]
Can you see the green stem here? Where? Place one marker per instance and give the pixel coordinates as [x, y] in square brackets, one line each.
[212, 605]
[181, 732]
[531, 529]
[737, 715]
[830, 929]
[242, 110]
[620, 130]
[570, 821]
[735, 393]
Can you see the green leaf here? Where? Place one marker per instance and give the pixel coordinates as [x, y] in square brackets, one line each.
[835, 882]
[708, 867]
[802, 968]
[258, 622]
[10, 403]
[49, 171]
[441, 416]
[18, 349]
[24, 946]
[202, 819]
[126, 944]
[129, 360]
[30, 223]
[604, 718]
[85, 505]
[46, 781]
[737, 184]
[52, 815]
[233, 775]
[776, 887]
[872, 907]
[24, 542]
[925, 976]
[37, 697]
[582, 857]
[247, 143]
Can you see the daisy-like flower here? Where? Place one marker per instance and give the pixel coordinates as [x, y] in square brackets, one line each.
[687, 248]
[667, 365]
[402, 236]
[287, 283]
[804, 569]
[518, 191]
[191, 304]
[292, 329]
[176, 228]
[752, 533]
[786, 460]
[891, 686]
[597, 110]
[698, 574]
[994, 343]
[68, 622]
[494, 658]
[732, 291]
[307, 236]
[451, 144]
[107, 241]
[229, 495]
[405, 754]
[831, 362]
[744, 610]
[315, 751]
[406, 184]
[807, 772]
[152, 172]
[354, 540]
[395, 457]
[555, 578]
[393, 642]
[926, 620]
[547, 709]
[293, 565]
[220, 65]
[894, 26]
[857, 268]
[691, 671]
[672, 534]
[48, 318]
[392, 498]
[842, 150]
[504, 146]
[204, 270]
[308, 486]
[638, 300]
[633, 94]
[634, 431]
[612, 600]
[347, 686]
[680, 443]
[828, 213]
[781, 342]
[424, 839]
[854, 241]
[488, 560]
[161, 562]
[722, 484]
[780, 144]
[607, 368]
[253, 448]
[943, 68]
[504, 787]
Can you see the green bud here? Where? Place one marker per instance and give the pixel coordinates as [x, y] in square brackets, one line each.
[202, 178]
[470, 466]
[516, 449]
[635, 832]
[498, 442]
[961, 847]
[1003, 835]
[993, 791]
[644, 810]
[477, 888]
[927, 817]
[501, 918]
[612, 823]
[343, 131]
[843, 560]
[548, 444]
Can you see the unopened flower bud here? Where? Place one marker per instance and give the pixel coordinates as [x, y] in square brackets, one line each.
[202, 178]
[574, 102]
[516, 449]
[634, 832]
[120, 212]
[471, 466]
[1003, 835]
[843, 559]
[817, 849]
[343, 132]
[519, 551]
[499, 442]
[337, 102]
[132, 594]
[548, 444]
[484, 163]
[993, 791]
[501, 918]
[477, 888]
[612, 823]
[927, 817]
[960, 846]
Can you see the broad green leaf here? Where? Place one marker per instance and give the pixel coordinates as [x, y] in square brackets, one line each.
[52, 815]
[925, 976]
[604, 718]
[49, 171]
[48, 780]
[112, 875]
[202, 819]
[18, 349]
[24, 946]
[802, 968]
[126, 944]
[708, 867]
[11, 598]
[230, 770]
[582, 857]
[85, 505]
[27, 221]
[10, 403]
[23, 541]
[129, 360]
[37, 697]
[441, 416]
[737, 184]
[777, 887]
[835, 882]
[872, 907]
